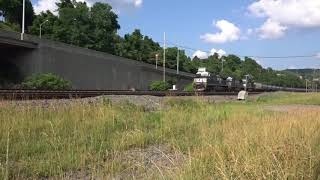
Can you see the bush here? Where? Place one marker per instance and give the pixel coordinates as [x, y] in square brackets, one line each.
[46, 82]
[189, 88]
[172, 81]
[9, 26]
[159, 86]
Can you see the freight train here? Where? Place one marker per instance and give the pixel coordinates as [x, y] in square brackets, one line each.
[204, 81]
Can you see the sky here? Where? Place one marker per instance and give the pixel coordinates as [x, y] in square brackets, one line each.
[259, 28]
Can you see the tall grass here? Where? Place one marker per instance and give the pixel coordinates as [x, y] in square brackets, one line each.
[217, 141]
[290, 98]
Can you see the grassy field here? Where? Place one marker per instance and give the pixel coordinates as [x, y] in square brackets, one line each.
[184, 140]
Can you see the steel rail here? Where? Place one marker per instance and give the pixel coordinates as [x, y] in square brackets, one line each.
[22, 94]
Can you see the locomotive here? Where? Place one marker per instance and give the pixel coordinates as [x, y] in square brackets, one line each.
[204, 81]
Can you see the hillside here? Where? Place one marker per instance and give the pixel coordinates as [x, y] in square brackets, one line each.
[307, 73]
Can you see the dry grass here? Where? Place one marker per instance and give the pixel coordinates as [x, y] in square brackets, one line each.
[197, 140]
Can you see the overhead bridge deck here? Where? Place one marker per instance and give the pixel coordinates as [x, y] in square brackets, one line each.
[14, 42]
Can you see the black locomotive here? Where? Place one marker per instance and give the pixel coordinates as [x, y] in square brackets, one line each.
[204, 81]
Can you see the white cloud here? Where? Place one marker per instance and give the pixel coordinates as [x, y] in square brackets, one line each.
[228, 33]
[292, 67]
[259, 61]
[205, 55]
[250, 31]
[220, 52]
[284, 14]
[271, 30]
[44, 5]
[318, 55]
[200, 54]
[118, 5]
[138, 3]
[213, 51]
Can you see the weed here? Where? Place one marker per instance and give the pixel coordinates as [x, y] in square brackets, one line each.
[218, 141]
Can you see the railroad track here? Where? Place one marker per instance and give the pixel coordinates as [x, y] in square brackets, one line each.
[20, 94]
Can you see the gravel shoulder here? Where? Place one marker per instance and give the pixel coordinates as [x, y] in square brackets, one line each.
[148, 102]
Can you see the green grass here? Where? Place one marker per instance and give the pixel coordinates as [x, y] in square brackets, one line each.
[290, 98]
[217, 141]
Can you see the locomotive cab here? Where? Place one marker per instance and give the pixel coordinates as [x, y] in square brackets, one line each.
[201, 80]
[248, 83]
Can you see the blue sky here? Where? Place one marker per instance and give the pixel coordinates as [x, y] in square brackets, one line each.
[241, 27]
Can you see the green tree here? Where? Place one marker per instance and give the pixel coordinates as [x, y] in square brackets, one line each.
[11, 10]
[139, 47]
[232, 62]
[213, 64]
[104, 25]
[250, 66]
[73, 26]
[65, 4]
[150, 49]
[172, 57]
[47, 28]
[77, 24]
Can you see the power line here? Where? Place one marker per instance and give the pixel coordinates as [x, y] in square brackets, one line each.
[249, 56]
[282, 57]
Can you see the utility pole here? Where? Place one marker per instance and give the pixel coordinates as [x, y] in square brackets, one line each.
[23, 18]
[164, 57]
[178, 59]
[245, 88]
[222, 60]
[313, 80]
[157, 56]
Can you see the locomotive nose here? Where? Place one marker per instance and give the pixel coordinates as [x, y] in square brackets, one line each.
[199, 86]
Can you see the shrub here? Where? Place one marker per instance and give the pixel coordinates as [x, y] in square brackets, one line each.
[159, 86]
[9, 26]
[189, 88]
[172, 81]
[47, 82]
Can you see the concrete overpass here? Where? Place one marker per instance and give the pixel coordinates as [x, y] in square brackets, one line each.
[9, 42]
[85, 68]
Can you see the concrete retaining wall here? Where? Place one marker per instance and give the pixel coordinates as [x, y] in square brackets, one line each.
[86, 69]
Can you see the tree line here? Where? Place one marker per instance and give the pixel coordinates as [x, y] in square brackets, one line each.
[97, 28]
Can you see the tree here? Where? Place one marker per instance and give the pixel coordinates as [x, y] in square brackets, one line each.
[65, 4]
[150, 49]
[47, 28]
[104, 25]
[214, 64]
[250, 66]
[11, 10]
[232, 62]
[73, 25]
[94, 28]
[139, 47]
